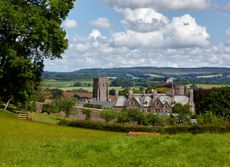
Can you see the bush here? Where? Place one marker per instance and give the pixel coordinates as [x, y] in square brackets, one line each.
[108, 126]
[108, 115]
[211, 118]
[87, 113]
[217, 101]
[183, 113]
[89, 105]
[49, 108]
[137, 128]
[196, 129]
[156, 119]
[132, 116]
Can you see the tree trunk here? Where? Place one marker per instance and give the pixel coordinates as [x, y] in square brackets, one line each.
[7, 104]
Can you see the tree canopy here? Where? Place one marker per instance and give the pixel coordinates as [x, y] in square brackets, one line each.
[30, 31]
[217, 101]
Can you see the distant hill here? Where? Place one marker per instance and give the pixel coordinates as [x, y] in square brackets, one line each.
[140, 72]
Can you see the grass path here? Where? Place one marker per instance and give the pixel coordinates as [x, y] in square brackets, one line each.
[26, 143]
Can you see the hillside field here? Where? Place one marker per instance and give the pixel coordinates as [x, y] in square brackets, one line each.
[27, 143]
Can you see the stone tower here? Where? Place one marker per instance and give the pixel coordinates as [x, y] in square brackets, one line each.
[179, 90]
[101, 89]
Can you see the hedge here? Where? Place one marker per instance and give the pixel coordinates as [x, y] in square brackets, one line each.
[164, 130]
[89, 105]
[108, 126]
[196, 129]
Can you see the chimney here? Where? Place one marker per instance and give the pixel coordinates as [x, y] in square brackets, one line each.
[130, 93]
[143, 91]
[116, 93]
[154, 93]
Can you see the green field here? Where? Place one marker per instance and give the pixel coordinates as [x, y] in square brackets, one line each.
[26, 143]
[210, 86]
[66, 85]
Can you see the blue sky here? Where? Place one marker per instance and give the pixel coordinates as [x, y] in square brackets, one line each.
[118, 33]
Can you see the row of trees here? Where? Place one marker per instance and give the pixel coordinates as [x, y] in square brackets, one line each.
[216, 100]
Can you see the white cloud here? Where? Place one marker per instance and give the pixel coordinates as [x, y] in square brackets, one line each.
[149, 39]
[101, 23]
[134, 39]
[69, 23]
[95, 34]
[184, 31]
[98, 51]
[147, 28]
[142, 19]
[161, 4]
[228, 31]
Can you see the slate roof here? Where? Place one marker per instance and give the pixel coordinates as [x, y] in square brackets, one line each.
[181, 99]
[146, 100]
[121, 101]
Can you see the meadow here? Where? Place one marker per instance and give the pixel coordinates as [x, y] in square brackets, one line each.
[27, 143]
[66, 85]
[210, 86]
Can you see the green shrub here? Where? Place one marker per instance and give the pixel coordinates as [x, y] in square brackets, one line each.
[108, 115]
[196, 129]
[183, 113]
[211, 118]
[137, 128]
[89, 105]
[156, 119]
[87, 113]
[132, 116]
[49, 108]
[108, 126]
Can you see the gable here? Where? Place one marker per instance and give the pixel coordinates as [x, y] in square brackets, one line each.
[132, 103]
[156, 103]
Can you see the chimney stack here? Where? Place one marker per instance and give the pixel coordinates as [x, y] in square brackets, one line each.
[130, 93]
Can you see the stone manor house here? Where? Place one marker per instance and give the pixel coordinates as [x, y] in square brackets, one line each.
[153, 102]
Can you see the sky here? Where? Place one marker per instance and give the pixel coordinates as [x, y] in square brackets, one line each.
[136, 33]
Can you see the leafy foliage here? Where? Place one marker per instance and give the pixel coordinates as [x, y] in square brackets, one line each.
[56, 93]
[60, 104]
[30, 31]
[87, 113]
[183, 112]
[209, 118]
[217, 101]
[108, 115]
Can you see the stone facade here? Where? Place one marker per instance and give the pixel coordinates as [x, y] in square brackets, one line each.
[155, 102]
[101, 89]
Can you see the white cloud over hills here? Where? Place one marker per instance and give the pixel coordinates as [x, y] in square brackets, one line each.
[148, 38]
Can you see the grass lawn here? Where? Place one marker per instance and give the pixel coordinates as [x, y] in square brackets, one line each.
[26, 143]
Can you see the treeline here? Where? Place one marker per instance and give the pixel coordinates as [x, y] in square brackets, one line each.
[182, 75]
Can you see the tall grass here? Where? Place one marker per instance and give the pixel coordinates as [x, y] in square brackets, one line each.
[26, 143]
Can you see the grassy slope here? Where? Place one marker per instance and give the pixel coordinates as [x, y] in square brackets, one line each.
[25, 143]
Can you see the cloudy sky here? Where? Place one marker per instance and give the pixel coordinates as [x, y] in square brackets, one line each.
[159, 33]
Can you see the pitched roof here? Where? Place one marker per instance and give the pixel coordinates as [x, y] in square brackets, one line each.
[145, 100]
[165, 99]
[181, 99]
[121, 101]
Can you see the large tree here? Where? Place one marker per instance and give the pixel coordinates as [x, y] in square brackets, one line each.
[30, 31]
[217, 101]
